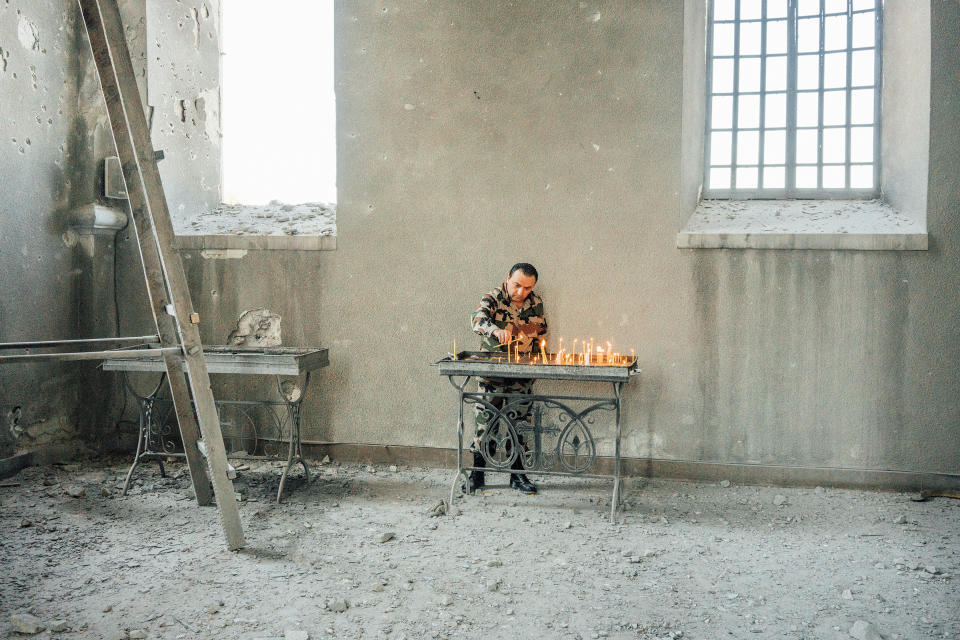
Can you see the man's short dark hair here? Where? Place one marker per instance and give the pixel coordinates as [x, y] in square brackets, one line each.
[527, 268]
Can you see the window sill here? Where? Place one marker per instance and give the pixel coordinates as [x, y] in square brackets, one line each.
[801, 224]
[304, 227]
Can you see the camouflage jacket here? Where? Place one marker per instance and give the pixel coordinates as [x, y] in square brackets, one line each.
[497, 312]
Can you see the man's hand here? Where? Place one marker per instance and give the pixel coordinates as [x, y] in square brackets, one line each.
[502, 335]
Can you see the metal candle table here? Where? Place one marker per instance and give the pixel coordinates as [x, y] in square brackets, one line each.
[557, 430]
[157, 438]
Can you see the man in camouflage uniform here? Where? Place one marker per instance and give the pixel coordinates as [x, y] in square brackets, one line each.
[512, 314]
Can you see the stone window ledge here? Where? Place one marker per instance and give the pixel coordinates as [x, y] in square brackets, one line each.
[303, 227]
[801, 224]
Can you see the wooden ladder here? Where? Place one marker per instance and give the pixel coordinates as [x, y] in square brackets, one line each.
[166, 283]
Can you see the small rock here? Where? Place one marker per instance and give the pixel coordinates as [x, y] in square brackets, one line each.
[408, 586]
[25, 623]
[370, 469]
[388, 536]
[567, 525]
[340, 606]
[438, 509]
[724, 483]
[493, 586]
[137, 634]
[846, 594]
[377, 587]
[108, 608]
[863, 630]
[326, 460]
[393, 468]
[901, 519]
[58, 625]
[75, 492]
[495, 563]
[931, 569]
[446, 600]
[25, 523]
[879, 565]
[634, 559]
[779, 500]
[105, 492]
[295, 634]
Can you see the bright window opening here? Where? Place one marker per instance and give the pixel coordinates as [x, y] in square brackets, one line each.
[278, 103]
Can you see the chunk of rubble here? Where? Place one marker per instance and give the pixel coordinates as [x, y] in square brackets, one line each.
[25, 623]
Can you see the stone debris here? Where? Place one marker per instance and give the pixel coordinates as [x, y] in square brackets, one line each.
[901, 519]
[724, 483]
[295, 634]
[75, 491]
[256, 328]
[779, 500]
[439, 509]
[863, 630]
[388, 536]
[137, 634]
[25, 623]
[58, 626]
[322, 546]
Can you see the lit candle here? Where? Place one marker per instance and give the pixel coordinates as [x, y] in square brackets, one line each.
[454, 348]
[543, 351]
[609, 350]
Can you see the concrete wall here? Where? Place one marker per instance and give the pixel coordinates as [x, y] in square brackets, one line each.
[551, 132]
[51, 285]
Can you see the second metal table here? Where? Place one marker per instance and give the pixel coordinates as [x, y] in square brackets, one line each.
[157, 437]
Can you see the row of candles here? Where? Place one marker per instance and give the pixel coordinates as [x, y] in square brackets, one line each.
[588, 354]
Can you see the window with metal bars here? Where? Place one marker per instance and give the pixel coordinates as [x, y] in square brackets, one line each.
[793, 99]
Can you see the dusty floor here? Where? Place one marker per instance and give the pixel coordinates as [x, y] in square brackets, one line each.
[687, 561]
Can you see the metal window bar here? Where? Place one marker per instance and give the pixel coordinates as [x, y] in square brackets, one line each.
[790, 189]
[821, 60]
[848, 138]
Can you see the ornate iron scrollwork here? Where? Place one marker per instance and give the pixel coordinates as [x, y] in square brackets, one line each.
[546, 433]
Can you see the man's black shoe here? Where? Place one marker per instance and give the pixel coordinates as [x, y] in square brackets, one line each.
[475, 481]
[520, 482]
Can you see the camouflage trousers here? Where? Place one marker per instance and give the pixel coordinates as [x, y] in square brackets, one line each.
[514, 409]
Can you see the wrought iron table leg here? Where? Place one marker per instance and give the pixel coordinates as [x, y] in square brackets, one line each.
[295, 449]
[615, 498]
[136, 458]
[460, 472]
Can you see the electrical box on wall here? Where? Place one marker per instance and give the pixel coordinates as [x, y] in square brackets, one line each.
[113, 184]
